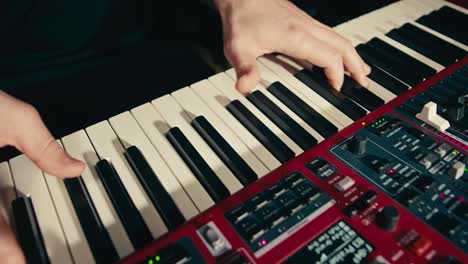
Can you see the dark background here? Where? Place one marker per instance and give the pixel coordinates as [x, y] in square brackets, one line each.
[185, 46]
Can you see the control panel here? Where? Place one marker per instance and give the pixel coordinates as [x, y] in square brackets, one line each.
[273, 215]
[422, 173]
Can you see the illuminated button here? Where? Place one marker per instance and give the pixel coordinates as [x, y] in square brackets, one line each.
[344, 184]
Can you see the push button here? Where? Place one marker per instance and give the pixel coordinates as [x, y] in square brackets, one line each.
[322, 168]
[428, 160]
[378, 164]
[344, 184]
[288, 201]
[442, 149]
[249, 227]
[306, 191]
[269, 214]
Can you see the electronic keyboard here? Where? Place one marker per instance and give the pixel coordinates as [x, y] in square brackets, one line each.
[294, 172]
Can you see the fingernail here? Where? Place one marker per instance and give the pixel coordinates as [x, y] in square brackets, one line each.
[367, 68]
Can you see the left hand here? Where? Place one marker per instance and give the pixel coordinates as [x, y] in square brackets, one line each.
[253, 28]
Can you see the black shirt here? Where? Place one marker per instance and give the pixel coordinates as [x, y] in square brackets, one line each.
[40, 33]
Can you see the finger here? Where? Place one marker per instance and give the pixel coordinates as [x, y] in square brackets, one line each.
[367, 68]
[247, 71]
[10, 251]
[353, 63]
[306, 47]
[33, 139]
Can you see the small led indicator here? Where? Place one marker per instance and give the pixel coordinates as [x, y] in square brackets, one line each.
[461, 199]
[263, 242]
[150, 261]
[442, 195]
[157, 258]
[363, 123]
[391, 171]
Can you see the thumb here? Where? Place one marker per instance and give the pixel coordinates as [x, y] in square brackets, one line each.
[247, 77]
[28, 134]
[10, 251]
[247, 71]
[42, 148]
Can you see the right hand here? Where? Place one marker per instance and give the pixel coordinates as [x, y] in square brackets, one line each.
[22, 127]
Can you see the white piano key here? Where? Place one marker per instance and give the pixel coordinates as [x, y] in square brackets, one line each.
[176, 117]
[227, 86]
[285, 68]
[29, 180]
[217, 101]
[108, 146]
[155, 128]
[267, 78]
[130, 134]
[7, 193]
[194, 107]
[79, 147]
[80, 250]
[380, 91]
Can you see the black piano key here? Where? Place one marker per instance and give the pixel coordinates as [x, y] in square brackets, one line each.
[129, 215]
[271, 142]
[205, 175]
[388, 81]
[225, 152]
[356, 92]
[427, 44]
[28, 231]
[158, 195]
[401, 57]
[394, 68]
[290, 127]
[96, 234]
[303, 110]
[321, 87]
[447, 21]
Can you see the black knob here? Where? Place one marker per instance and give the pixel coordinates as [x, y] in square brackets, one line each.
[359, 144]
[388, 218]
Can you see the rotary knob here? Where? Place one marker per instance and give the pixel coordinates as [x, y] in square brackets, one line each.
[387, 219]
[359, 144]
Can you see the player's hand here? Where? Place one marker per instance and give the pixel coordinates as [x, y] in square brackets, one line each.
[253, 28]
[22, 127]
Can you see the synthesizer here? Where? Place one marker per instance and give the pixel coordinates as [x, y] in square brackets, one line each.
[294, 172]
